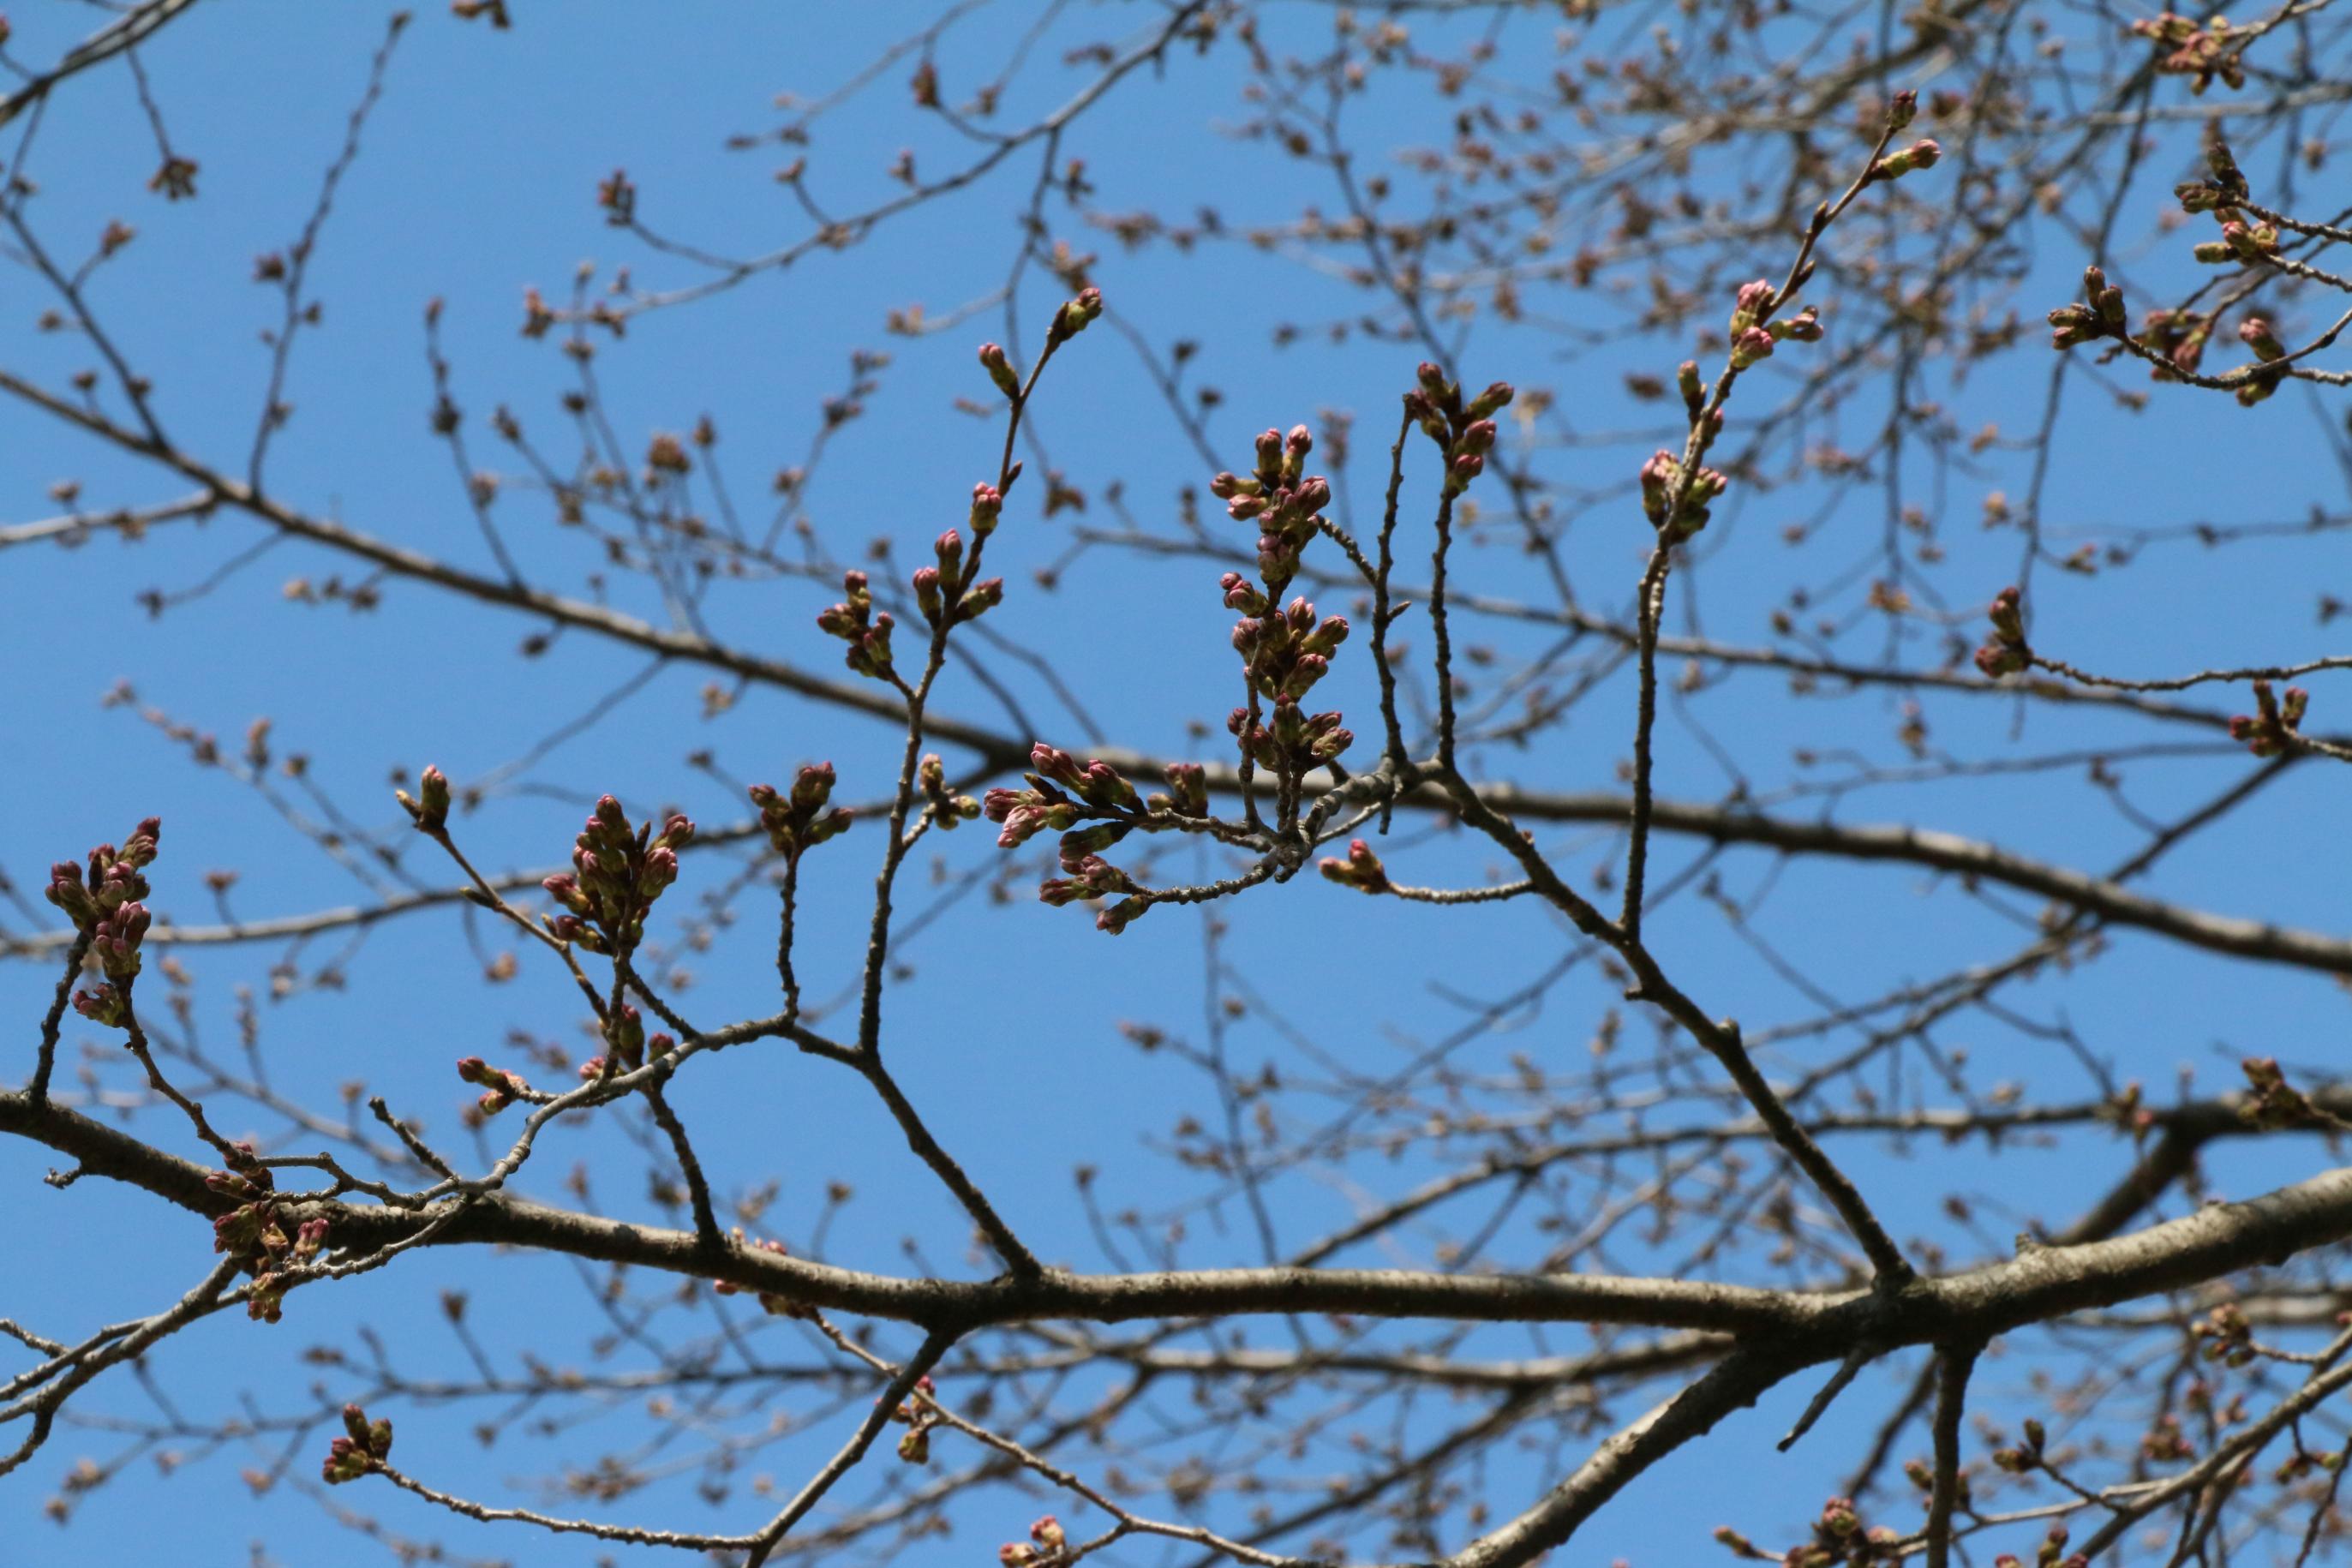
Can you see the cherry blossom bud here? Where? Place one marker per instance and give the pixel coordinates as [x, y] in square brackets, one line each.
[1922, 154]
[987, 504]
[2259, 337]
[1804, 327]
[1901, 109]
[1658, 477]
[981, 598]
[2072, 324]
[1361, 870]
[1269, 452]
[429, 807]
[1120, 915]
[1755, 302]
[999, 369]
[65, 892]
[1751, 345]
[1073, 315]
[1688, 382]
[2200, 196]
[1490, 402]
[1188, 789]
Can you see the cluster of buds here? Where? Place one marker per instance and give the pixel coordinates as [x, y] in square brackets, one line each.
[1060, 794]
[2026, 1456]
[112, 879]
[799, 821]
[616, 875]
[2050, 1553]
[627, 1048]
[943, 807]
[1361, 870]
[2200, 51]
[2102, 317]
[1093, 807]
[987, 506]
[101, 899]
[1047, 1544]
[2165, 1443]
[2178, 337]
[2271, 728]
[774, 1305]
[114, 942]
[2224, 188]
[633, 1050]
[866, 630]
[2274, 1102]
[1285, 652]
[1092, 876]
[1838, 1537]
[941, 591]
[429, 806]
[918, 1416]
[2257, 334]
[1921, 154]
[2221, 193]
[255, 1234]
[2005, 651]
[1464, 431]
[363, 1445]
[501, 1087]
[1754, 332]
[2259, 383]
[1290, 744]
[1073, 316]
[999, 365]
[1187, 794]
[1677, 503]
[1281, 498]
[2229, 1337]
[2240, 241]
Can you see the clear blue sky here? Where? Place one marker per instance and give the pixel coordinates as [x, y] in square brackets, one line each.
[476, 179]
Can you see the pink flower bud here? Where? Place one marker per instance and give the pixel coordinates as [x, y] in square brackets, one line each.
[999, 369]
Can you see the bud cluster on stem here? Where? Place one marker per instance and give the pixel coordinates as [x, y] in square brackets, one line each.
[2174, 340]
[1361, 870]
[1048, 1544]
[918, 1416]
[2005, 651]
[429, 806]
[2198, 50]
[102, 898]
[857, 622]
[1285, 651]
[1465, 432]
[1281, 498]
[255, 1234]
[1093, 807]
[617, 873]
[944, 808]
[2273, 727]
[501, 1087]
[798, 822]
[944, 591]
[363, 1447]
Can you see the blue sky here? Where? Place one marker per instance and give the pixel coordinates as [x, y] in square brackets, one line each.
[476, 180]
